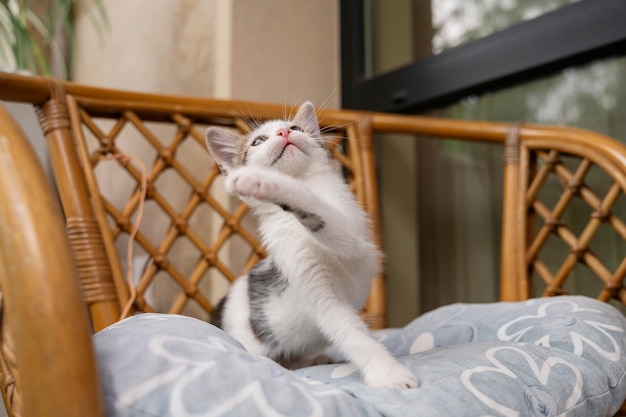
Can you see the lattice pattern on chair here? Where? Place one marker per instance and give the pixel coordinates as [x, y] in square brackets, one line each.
[579, 227]
[194, 239]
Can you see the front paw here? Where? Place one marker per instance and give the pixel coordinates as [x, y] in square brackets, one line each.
[251, 183]
[394, 376]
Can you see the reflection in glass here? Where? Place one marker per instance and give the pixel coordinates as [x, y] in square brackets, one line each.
[460, 21]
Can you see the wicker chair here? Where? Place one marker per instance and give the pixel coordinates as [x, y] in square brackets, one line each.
[61, 273]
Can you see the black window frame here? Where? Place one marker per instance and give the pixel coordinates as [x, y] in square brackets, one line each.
[571, 35]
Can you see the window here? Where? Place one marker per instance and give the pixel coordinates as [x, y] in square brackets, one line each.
[452, 56]
[547, 61]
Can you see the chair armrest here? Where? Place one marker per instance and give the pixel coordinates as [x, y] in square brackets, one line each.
[47, 358]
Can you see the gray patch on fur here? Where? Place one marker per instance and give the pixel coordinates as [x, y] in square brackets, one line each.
[218, 312]
[311, 221]
[264, 280]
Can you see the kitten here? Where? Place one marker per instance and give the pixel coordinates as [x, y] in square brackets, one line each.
[307, 293]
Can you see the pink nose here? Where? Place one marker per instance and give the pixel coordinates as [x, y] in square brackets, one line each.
[284, 132]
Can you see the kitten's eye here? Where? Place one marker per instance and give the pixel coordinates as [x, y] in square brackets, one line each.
[296, 127]
[259, 140]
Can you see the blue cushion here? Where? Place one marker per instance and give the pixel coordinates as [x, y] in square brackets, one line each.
[553, 356]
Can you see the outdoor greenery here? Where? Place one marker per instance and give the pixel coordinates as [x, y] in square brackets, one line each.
[457, 22]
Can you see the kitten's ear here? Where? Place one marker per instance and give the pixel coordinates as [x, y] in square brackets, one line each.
[307, 119]
[223, 146]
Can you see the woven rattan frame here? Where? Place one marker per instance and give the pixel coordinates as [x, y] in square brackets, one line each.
[41, 312]
[115, 220]
[606, 207]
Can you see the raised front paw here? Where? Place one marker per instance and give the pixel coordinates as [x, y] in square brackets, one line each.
[251, 183]
[394, 376]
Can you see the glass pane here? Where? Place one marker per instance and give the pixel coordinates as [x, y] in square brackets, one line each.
[459, 21]
[401, 31]
[591, 97]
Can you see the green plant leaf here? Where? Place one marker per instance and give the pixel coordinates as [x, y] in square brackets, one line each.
[30, 40]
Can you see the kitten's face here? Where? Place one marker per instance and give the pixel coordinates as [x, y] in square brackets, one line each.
[284, 146]
[291, 147]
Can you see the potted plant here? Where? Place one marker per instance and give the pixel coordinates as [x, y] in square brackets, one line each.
[36, 36]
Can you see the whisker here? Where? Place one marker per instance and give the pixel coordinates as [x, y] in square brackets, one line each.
[330, 96]
[293, 110]
[336, 141]
[244, 115]
[324, 128]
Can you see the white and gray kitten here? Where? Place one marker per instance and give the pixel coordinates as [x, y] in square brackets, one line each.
[307, 293]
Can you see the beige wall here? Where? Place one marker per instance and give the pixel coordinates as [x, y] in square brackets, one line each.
[286, 51]
[162, 46]
[281, 51]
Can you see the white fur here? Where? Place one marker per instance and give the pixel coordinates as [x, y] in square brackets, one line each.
[328, 270]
